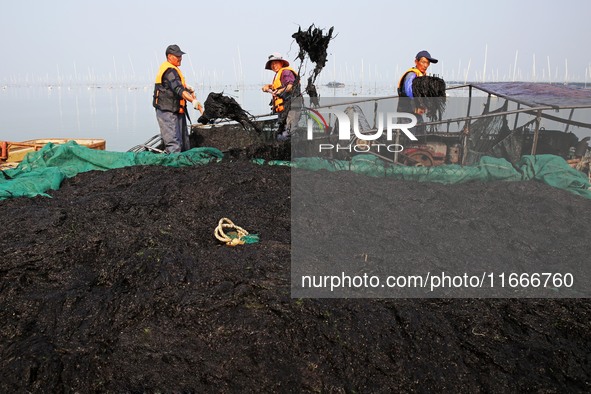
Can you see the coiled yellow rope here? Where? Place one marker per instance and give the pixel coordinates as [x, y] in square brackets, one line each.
[225, 223]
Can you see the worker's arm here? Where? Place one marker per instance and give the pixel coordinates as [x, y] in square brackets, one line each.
[283, 90]
[172, 78]
[288, 79]
[407, 83]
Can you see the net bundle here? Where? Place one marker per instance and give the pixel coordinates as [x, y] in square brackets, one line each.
[430, 91]
[218, 106]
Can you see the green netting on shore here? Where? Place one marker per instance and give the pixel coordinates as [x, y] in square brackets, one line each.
[550, 169]
[46, 169]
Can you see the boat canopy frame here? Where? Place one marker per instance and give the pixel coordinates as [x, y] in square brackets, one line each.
[535, 99]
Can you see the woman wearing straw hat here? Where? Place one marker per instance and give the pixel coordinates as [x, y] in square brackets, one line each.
[284, 88]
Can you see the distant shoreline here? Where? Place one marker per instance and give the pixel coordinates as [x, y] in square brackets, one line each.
[231, 86]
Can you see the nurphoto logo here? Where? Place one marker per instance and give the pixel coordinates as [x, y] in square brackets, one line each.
[366, 140]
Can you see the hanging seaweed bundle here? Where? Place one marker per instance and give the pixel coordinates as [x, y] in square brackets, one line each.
[218, 106]
[430, 94]
[314, 44]
[313, 93]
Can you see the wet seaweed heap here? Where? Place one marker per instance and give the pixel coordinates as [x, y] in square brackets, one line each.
[430, 91]
[137, 295]
[218, 106]
[313, 43]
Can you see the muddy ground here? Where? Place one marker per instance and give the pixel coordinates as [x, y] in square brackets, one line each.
[117, 284]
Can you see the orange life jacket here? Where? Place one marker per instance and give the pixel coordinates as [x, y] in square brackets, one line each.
[278, 102]
[164, 98]
[415, 70]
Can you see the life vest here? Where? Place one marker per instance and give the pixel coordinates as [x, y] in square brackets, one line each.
[415, 70]
[278, 102]
[164, 98]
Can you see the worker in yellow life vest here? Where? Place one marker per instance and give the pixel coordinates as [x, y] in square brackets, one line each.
[285, 90]
[171, 93]
[422, 62]
[406, 103]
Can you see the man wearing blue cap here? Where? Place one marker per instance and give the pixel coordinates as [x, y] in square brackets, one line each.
[407, 102]
[171, 94]
[422, 61]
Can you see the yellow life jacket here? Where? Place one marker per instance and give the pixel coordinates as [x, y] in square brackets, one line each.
[410, 70]
[164, 98]
[278, 102]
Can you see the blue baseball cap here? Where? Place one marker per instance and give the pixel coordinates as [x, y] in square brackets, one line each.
[175, 50]
[427, 56]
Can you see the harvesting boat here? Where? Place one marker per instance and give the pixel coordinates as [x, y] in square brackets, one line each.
[503, 120]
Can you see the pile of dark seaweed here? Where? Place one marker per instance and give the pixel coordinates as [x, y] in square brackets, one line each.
[219, 106]
[117, 284]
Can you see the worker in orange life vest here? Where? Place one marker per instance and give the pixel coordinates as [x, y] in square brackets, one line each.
[171, 94]
[422, 61]
[284, 88]
[406, 104]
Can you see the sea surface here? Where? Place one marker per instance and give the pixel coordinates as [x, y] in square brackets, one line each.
[122, 114]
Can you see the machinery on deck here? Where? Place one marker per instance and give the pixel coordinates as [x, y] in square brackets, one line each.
[513, 119]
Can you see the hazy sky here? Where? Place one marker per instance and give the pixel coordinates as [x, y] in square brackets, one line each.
[125, 39]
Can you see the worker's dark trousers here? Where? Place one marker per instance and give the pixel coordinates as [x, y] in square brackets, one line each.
[173, 129]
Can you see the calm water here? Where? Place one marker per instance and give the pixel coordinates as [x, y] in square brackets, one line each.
[121, 115]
